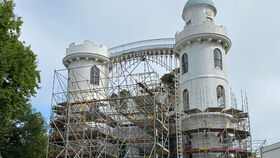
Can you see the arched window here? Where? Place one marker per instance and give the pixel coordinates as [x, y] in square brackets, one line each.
[185, 66]
[186, 99]
[94, 75]
[221, 100]
[218, 61]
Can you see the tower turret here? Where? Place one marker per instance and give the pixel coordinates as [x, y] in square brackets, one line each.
[202, 47]
[199, 11]
[87, 71]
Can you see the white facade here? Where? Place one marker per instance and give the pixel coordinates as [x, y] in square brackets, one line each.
[198, 40]
[202, 47]
[201, 74]
[79, 60]
[271, 151]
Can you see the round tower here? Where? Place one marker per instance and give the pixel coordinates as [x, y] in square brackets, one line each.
[88, 71]
[202, 47]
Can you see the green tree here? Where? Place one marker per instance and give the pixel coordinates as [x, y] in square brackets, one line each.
[27, 137]
[120, 101]
[168, 79]
[123, 101]
[18, 75]
[114, 102]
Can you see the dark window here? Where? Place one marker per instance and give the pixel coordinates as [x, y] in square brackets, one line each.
[185, 67]
[141, 153]
[221, 100]
[186, 99]
[172, 144]
[94, 75]
[209, 18]
[122, 150]
[218, 61]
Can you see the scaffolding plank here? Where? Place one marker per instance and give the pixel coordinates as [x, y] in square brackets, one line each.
[213, 109]
[193, 111]
[232, 111]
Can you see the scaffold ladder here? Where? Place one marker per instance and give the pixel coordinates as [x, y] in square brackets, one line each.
[179, 136]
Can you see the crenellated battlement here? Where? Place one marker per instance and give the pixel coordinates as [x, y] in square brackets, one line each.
[87, 47]
[85, 51]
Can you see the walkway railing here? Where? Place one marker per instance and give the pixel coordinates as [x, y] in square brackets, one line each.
[142, 45]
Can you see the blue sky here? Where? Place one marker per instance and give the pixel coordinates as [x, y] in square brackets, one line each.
[252, 63]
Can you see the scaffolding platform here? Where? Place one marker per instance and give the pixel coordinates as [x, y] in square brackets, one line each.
[213, 109]
[232, 111]
[244, 153]
[240, 134]
[193, 111]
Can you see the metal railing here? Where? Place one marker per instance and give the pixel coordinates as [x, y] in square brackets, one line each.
[142, 45]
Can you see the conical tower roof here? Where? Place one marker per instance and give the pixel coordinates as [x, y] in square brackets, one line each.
[195, 2]
[191, 3]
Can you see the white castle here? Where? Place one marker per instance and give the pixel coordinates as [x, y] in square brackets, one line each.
[116, 103]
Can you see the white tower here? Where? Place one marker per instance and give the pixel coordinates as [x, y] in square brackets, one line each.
[202, 47]
[88, 71]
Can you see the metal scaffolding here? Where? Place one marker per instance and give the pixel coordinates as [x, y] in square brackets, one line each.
[133, 114]
[128, 117]
[229, 127]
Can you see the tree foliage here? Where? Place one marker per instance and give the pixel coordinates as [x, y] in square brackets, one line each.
[18, 75]
[169, 81]
[124, 94]
[27, 137]
[120, 100]
[114, 101]
[19, 79]
[169, 78]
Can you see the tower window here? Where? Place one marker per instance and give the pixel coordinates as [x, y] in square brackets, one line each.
[94, 75]
[185, 67]
[221, 96]
[209, 19]
[186, 99]
[218, 61]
